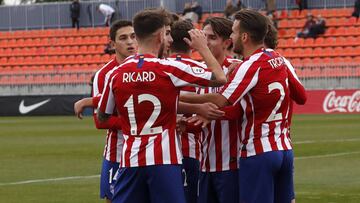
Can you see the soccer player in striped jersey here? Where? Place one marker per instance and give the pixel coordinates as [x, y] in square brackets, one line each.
[123, 40]
[190, 142]
[271, 41]
[145, 90]
[260, 84]
[219, 167]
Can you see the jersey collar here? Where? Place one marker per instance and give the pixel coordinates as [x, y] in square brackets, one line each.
[178, 57]
[138, 56]
[262, 49]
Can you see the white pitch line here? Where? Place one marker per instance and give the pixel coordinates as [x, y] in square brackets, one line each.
[325, 141]
[326, 155]
[97, 176]
[49, 180]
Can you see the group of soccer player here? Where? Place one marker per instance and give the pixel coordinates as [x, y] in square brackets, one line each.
[181, 130]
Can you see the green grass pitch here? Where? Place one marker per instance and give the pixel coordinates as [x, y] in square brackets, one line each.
[58, 159]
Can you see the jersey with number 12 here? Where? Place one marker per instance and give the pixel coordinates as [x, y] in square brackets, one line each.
[145, 90]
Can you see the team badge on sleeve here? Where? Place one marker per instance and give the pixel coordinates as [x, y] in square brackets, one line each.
[198, 70]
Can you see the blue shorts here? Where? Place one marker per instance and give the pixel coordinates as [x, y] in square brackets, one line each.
[158, 183]
[191, 178]
[108, 171]
[219, 187]
[267, 178]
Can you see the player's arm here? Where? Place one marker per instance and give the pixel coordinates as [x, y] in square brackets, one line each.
[107, 101]
[198, 42]
[297, 90]
[232, 112]
[112, 122]
[80, 105]
[214, 98]
[207, 110]
[241, 82]
[102, 117]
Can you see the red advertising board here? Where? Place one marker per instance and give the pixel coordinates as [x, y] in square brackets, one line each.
[330, 101]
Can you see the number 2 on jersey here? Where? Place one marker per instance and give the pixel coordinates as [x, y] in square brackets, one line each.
[147, 129]
[276, 116]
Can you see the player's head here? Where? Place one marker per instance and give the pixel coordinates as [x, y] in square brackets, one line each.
[250, 28]
[122, 38]
[217, 31]
[149, 25]
[179, 31]
[271, 37]
[165, 48]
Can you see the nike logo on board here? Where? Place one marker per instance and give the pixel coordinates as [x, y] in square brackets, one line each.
[26, 109]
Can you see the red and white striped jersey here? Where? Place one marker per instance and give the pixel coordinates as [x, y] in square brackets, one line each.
[190, 142]
[220, 139]
[295, 86]
[260, 84]
[145, 90]
[114, 138]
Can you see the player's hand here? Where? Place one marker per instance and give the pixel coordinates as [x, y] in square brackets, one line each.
[210, 111]
[180, 125]
[197, 39]
[231, 69]
[198, 120]
[79, 108]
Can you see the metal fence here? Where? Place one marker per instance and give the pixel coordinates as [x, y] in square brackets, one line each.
[77, 82]
[330, 77]
[57, 15]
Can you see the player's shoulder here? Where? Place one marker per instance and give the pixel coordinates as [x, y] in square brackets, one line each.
[232, 60]
[254, 60]
[109, 65]
[106, 68]
[169, 63]
[193, 62]
[274, 60]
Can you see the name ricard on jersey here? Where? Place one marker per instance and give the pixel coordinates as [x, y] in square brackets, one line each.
[144, 76]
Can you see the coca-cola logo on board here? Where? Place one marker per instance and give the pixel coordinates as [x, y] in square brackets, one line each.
[345, 103]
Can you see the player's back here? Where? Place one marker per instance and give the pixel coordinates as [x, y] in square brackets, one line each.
[265, 79]
[146, 94]
[271, 93]
[147, 98]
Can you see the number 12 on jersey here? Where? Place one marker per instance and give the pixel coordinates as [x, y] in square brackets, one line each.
[148, 128]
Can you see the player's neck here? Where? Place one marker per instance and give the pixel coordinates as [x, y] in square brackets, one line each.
[248, 51]
[119, 58]
[188, 53]
[148, 49]
[220, 59]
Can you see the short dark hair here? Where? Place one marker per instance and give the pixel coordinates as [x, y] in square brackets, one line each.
[148, 21]
[115, 26]
[271, 37]
[175, 17]
[221, 26]
[179, 31]
[254, 23]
